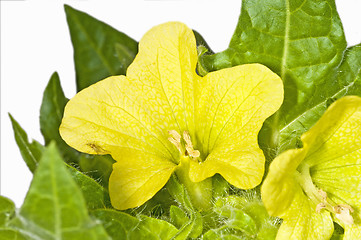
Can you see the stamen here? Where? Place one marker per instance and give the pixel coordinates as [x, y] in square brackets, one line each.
[319, 207]
[343, 213]
[189, 146]
[174, 134]
[187, 150]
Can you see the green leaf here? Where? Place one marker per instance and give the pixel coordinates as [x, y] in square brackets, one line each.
[244, 216]
[54, 207]
[51, 114]
[95, 195]
[7, 209]
[303, 42]
[223, 233]
[120, 226]
[98, 167]
[10, 234]
[177, 216]
[194, 226]
[31, 152]
[99, 50]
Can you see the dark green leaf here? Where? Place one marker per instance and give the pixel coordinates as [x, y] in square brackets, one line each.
[31, 152]
[7, 209]
[303, 42]
[51, 114]
[120, 226]
[99, 50]
[11, 234]
[54, 207]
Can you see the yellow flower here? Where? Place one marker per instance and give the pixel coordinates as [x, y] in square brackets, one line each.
[162, 118]
[320, 183]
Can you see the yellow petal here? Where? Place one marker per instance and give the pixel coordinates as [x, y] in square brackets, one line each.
[352, 232]
[166, 63]
[232, 107]
[137, 179]
[137, 111]
[335, 155]
[279, 188]
[302, 221]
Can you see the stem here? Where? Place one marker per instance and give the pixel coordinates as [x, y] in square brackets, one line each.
[200, 193]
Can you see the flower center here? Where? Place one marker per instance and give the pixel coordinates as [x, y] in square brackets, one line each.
[320, 198]
[185, 145]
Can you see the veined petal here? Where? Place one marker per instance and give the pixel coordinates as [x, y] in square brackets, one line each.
[279, 188]
[336, 157]
[137, 178]
[302, 222]
[136, 111]
[166, 63]
[233, 105]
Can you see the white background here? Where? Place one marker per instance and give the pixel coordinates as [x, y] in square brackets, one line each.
[35, 42]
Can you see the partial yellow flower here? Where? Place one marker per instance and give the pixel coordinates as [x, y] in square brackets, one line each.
[162, 118]
[320, 183]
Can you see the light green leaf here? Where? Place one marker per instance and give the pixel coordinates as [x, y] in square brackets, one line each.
[31, 152]
[54, 207]
[177, 216]
[95, 195]
[223, 233]
[7, 209]
[11, 234]
[99, 50]
[303, 42]
[120, 225]
[194, 226]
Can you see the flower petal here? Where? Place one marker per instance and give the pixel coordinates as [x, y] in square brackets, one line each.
[136, 111]
[302, 221]
[352, 232]
[336, 154]
[279, 188]
[230, 112]
[137, 179]
[166, 63]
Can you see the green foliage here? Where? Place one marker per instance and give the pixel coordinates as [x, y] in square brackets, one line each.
[99, 50]
[303, 42]
[194, 226]
[242, 217]
[96, 196]
[120, 226]
[51, 113]
[31, 152]
[10, 234]
[7, 209]
[54, 207]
